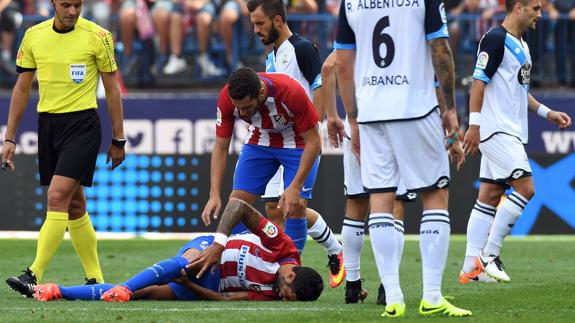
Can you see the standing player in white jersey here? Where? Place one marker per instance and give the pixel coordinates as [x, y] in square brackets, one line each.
[390, 100]
[299, 58]
[498, 108]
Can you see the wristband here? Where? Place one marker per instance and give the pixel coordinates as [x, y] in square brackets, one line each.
[121, 142]
[543, 111]
[474, 118]
[10, 141]
[221, 239]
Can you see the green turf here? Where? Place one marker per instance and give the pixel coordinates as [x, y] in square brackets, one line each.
[541, 289]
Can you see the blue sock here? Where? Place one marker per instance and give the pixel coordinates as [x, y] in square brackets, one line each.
[157, 274]
[239, 228]
[296, 229]
[85, 292]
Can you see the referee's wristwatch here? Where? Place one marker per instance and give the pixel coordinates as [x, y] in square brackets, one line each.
[121, 142]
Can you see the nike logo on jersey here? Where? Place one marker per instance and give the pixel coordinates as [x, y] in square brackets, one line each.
[306, 189]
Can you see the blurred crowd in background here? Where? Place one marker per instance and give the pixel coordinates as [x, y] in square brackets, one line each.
[172, 43]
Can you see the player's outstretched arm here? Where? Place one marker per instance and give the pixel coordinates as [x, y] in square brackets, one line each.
[116, 154]
[345, 61]
[559, 118]
[217, 170]
[18, 103]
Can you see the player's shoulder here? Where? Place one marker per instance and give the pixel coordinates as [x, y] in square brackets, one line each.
[92, 28]
[495, 35]
[39, 28]
[301, 44]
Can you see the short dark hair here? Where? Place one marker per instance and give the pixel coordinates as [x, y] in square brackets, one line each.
[244, 82]
[307, 284]
[271, 8]
[509, 4]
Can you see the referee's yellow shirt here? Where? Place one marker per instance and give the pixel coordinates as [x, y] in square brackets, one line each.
[67, 64]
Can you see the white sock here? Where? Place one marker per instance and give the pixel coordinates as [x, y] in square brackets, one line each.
[505, 218]
[384, 245]
[399, 234]
[323, 235]
[478, 228]
[433, 244]
[352, 235]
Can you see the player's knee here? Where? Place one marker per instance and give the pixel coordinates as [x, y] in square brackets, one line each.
[57, 200]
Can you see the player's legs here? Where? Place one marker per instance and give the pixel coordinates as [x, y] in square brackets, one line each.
[353, 235]
[83, 236]
[160, 273]
[296, 226]
[508, 163]
[380, 176]
[478, 226]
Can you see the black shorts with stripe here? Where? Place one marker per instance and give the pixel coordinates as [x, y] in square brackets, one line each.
[68, 145]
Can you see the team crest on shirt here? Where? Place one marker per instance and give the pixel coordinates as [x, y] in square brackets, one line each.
[524, 74]
[19, 55]
[78, 72]
[280, 118]
[284, 59]
[270, 230]
[482, 60]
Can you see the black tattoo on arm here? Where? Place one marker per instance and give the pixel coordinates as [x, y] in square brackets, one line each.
[444, 67]
[236, 211]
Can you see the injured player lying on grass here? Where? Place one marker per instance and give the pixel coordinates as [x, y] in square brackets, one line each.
[262, 265]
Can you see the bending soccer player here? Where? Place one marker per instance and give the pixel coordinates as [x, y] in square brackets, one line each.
[299, 58]
[498, 108]
[263, 265]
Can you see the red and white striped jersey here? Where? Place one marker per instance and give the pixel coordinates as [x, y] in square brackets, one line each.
[279, 122]
[250, 261]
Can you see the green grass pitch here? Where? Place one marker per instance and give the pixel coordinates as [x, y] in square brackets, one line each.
[541, 290]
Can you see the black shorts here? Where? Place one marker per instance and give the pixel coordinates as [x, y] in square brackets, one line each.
[68, 145]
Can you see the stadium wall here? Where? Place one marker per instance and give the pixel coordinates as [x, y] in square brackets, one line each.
[164, 182]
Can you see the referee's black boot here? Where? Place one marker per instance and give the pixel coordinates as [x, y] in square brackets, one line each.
[23, 284]
[380, 295]
[354, 292]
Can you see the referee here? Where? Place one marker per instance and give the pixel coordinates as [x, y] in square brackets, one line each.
[67, 53]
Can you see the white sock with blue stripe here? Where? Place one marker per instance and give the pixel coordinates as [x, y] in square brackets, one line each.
[505, 218]
[478, 228]
[384, 244]
[433, 244]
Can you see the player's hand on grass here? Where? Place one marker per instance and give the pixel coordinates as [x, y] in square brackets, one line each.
[559, 118]
[214, 206]
[116, 155]
[291, 203]
[8, 150]
[471, 140]
[209, 257]
[335, 131]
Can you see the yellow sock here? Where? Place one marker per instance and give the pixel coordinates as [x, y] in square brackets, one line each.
[49, 239]
[84, 241]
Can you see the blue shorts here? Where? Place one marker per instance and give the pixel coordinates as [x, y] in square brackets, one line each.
[209, 280]
[258, 164]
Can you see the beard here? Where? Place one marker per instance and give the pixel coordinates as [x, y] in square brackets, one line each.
[272, 37]
[277, 285]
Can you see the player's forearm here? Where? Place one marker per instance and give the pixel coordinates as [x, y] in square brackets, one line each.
[310, 152]
[532, 104]
[237, 210]
[318, 102]
[114, 101]
[444, 67]
[476, 96]
[218, 166]
[18, 103]
[347, 89]
[204, 293]
[328, 86]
